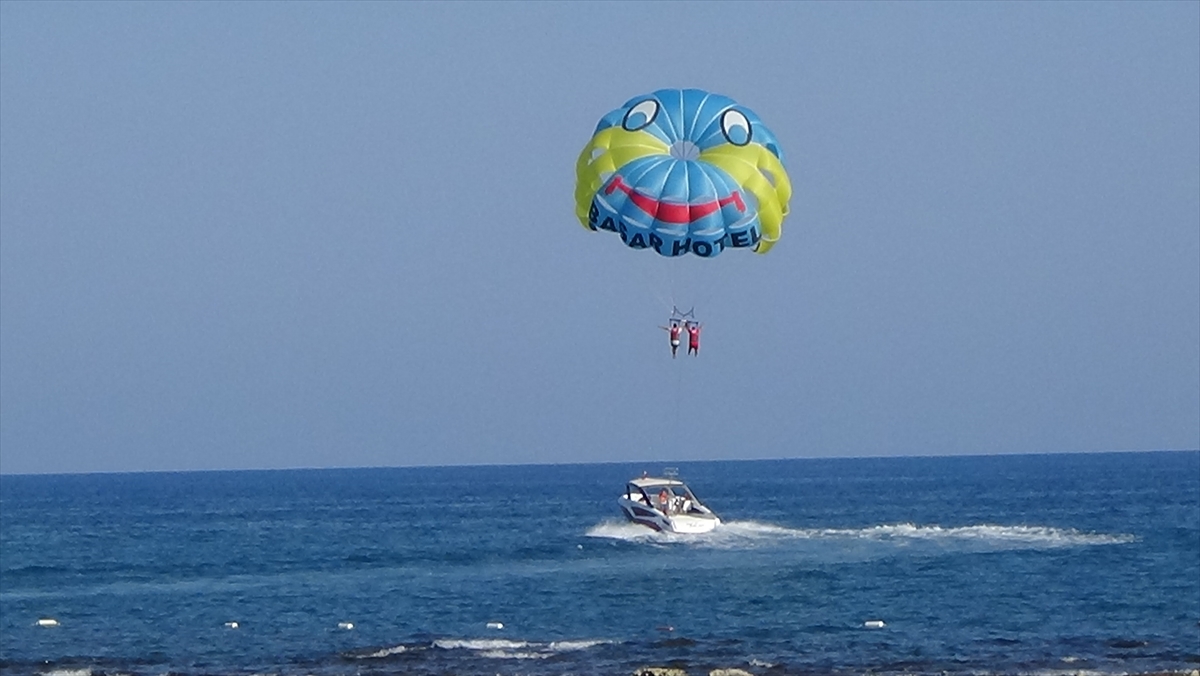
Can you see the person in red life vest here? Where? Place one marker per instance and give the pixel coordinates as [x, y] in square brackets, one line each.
[673, 333]
[693, 329]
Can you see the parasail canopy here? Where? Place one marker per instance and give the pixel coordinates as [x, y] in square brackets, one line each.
[683, 171]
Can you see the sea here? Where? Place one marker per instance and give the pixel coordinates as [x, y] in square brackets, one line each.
[1024, 564]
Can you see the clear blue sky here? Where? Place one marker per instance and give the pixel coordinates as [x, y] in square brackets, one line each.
[267, 235]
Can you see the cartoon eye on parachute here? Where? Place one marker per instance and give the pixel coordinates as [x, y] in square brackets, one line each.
[683, 171]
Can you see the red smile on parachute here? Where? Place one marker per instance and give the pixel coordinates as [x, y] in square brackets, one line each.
[673, 212]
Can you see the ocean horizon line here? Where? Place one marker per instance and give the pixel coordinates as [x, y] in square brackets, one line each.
[657, 462]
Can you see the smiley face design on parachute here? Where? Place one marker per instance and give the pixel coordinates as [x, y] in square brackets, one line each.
[683, 171]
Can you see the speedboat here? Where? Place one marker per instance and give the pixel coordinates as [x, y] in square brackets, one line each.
[666, 504]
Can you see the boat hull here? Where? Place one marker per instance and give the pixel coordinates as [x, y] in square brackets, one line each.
[639, 513]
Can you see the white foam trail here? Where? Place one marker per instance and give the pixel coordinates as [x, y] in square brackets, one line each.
[1038, 536]
[68, 672]
[746, 534]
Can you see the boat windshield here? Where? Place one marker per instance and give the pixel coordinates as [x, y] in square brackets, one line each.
[633, 492]
[678, 491]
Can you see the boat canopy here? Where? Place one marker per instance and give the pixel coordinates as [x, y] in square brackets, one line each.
[653, 482]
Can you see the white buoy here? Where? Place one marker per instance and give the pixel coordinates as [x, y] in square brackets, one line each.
[874, 624]
[47, 622]
[231, 625]
[495, 625]
[345, 625]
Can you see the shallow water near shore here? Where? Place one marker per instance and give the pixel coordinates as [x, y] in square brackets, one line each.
[1080, 563]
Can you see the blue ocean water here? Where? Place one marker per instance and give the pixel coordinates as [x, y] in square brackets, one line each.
[1048, 564]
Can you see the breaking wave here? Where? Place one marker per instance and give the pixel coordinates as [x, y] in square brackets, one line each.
[520, 650]
[489, 648]
[380, 654]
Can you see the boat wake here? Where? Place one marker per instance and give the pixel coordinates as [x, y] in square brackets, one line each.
[754, 534]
